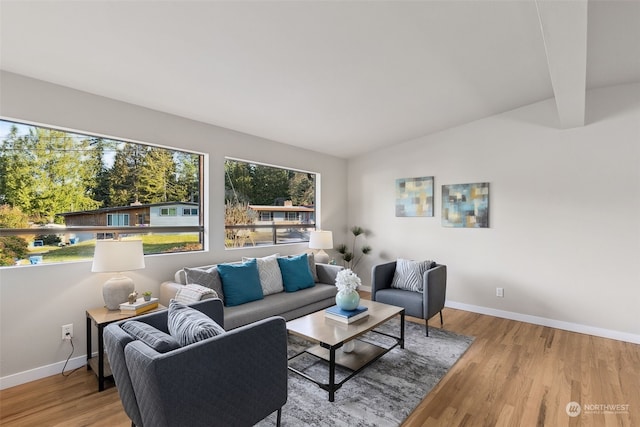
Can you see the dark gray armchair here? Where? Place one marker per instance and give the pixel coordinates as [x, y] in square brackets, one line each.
[233, 379]
[423, 305]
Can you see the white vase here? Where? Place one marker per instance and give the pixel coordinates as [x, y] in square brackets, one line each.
[116, 290]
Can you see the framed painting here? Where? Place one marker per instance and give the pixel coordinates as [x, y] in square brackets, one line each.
[414, 196]
[465, 205]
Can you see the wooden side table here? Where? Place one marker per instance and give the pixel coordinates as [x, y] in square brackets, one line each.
[101, 317]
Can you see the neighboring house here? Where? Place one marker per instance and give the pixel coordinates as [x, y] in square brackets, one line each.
[136, 214]
[283, 214]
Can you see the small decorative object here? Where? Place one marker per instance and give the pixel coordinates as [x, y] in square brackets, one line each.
[347, 283]
[414, 196]
[133, 296]
[147, 295]
[465, 205]
[350, 257]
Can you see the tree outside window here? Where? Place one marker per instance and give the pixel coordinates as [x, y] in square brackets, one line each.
[55, 180]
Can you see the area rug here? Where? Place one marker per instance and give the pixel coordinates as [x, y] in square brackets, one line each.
[384, 394]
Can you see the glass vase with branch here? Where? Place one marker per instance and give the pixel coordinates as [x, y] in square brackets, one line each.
[352, 256]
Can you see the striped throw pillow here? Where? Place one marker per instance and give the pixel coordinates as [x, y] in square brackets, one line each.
[408, 275]
[188, 325]
[154, 338]
[191, 293]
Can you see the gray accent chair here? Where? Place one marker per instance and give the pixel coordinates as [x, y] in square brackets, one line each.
[423, 305]
[233, 379]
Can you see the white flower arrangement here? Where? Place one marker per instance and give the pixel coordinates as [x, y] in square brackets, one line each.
[347, 281]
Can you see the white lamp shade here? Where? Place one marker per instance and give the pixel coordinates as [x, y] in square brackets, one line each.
[321, 240]
[117, 256]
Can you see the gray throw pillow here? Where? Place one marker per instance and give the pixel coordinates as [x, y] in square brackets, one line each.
[188, 325]
[154, 338]
[408, 274]
[208, 277]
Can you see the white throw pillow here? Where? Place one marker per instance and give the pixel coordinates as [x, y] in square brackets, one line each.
[408, 274]
[270, 275]
[191, 293]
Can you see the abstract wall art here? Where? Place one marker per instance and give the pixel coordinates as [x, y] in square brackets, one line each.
[465, 205]
[414, 196]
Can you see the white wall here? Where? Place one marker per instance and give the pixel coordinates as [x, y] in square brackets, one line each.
[564, 236]
[36, 300]
[563, 242]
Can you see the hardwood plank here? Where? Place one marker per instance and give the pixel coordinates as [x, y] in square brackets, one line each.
[514, 374]
[519, 374]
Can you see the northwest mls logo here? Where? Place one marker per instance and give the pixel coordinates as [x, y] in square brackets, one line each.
[573, 409]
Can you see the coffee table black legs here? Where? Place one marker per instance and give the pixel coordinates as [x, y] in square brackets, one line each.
[332, 374]
[364, 354]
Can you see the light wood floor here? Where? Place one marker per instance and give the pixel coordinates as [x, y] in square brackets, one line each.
[514, 374]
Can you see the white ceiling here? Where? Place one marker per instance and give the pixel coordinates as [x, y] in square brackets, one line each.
[342, 77]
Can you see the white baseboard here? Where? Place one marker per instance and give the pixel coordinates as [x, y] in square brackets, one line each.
[76, 362]
[41, 372]
[543, 321]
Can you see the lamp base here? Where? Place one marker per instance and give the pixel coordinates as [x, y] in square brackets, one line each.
[116, 290]
[321, 256]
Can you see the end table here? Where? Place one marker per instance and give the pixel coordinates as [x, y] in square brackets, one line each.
[101, 317]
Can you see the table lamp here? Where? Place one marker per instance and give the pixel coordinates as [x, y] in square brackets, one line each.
[117, 256]
[321, 240]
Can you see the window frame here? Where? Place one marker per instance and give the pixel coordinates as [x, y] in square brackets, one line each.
[278, 226]
[124, 216]
[123, 231]
[170, 211]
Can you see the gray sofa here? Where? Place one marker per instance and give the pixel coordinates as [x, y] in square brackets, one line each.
[233, 379]
[289, 305]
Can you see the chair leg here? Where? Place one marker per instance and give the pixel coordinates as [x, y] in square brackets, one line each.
[426, 326]
[441, 321]
[279, 417]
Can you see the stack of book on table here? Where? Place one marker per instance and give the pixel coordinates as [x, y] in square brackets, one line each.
[140, 306]
[346, 316]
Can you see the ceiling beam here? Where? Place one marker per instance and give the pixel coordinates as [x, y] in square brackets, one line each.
[564, 31]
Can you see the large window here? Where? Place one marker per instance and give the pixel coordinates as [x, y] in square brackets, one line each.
[117, 219]
[168, 212]
[60, 191]
[267, 205]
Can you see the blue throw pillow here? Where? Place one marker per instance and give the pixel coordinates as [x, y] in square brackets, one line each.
[296, 274]
[240, 282]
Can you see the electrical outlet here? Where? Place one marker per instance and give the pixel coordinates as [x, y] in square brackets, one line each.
[67, 331]
[500, 292]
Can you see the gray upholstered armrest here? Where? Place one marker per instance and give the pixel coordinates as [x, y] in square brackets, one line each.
[115, 340]
[327, 273]
[381, 277]
[210, 370]
[435, 288]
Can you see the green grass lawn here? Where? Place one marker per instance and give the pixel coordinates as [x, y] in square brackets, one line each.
[152, 243]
